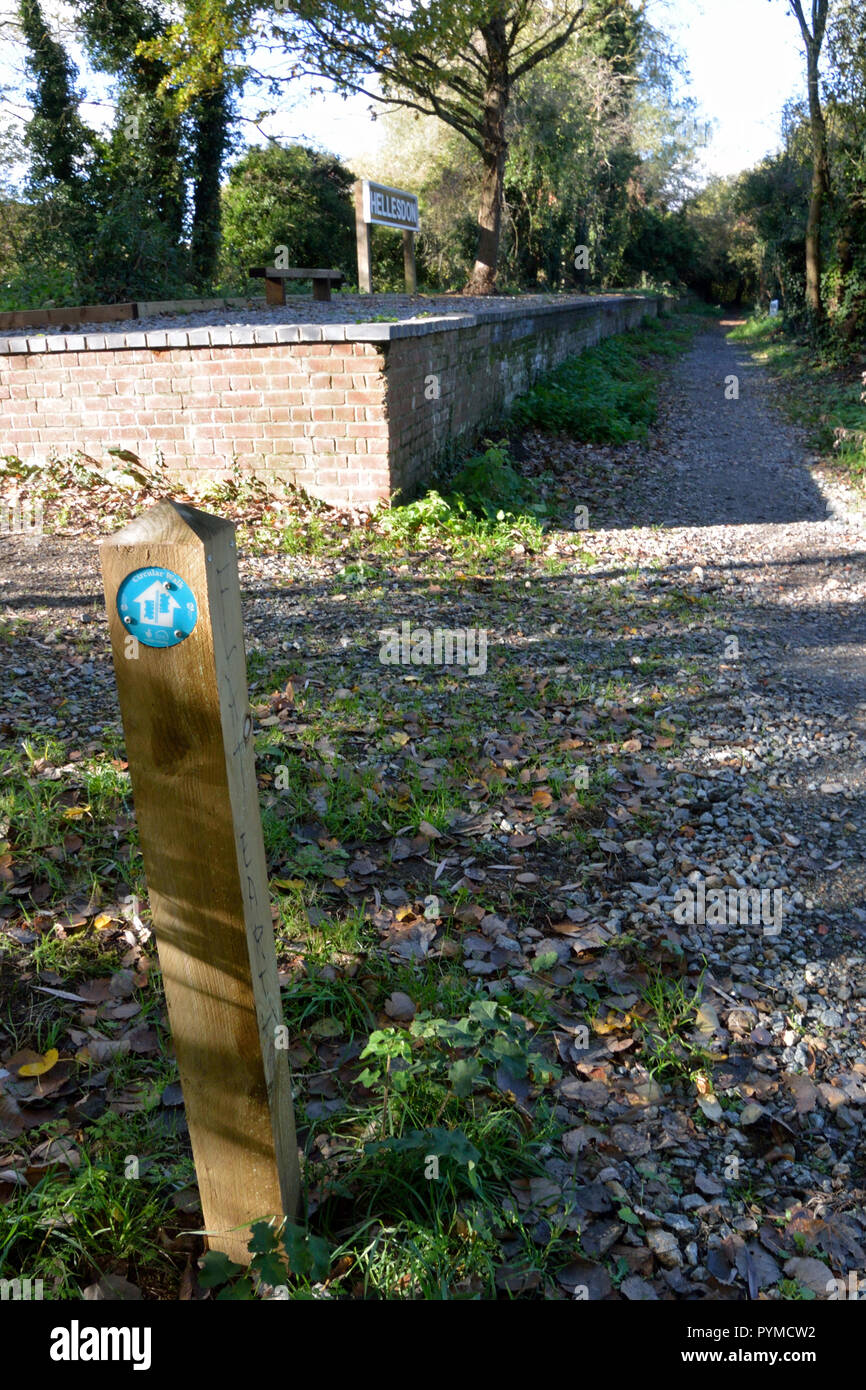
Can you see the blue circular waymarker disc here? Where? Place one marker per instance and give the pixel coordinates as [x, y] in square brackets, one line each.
[157, 606]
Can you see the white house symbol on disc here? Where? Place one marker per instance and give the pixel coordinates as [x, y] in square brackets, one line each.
[156, 604]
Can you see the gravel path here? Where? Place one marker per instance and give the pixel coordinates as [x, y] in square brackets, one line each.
[781, 549]
[744, 563]
[736, 478]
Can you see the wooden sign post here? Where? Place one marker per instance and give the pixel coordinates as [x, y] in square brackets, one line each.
[409, 273]
[174, 610]
[376, 204]
[363, 243]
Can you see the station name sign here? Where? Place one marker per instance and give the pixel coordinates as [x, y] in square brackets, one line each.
[390, 207]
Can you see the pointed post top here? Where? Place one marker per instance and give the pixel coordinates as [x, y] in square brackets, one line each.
[168, 523]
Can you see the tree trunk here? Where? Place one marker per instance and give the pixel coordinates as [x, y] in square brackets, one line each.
[162, 173]
[483, 277]
[816, 200]
[820, 173]
[211, 136]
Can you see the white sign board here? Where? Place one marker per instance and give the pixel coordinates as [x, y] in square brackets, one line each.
[390, 207]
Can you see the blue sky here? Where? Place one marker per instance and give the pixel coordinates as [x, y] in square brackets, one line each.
[743, 56]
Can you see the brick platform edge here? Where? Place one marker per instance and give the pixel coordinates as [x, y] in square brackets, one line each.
[351, 412]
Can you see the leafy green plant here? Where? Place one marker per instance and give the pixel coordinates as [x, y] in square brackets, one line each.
[457, 1057]
[285, 1258]
[606, 395]
[432, 1142]
[792, 1291]
[262, 184]
[489, 487]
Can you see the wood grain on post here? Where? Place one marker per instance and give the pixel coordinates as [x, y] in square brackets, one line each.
[409, 272]
[363, 243]
[190, 750]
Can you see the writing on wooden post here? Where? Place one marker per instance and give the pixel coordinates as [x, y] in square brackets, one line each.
[174, 610]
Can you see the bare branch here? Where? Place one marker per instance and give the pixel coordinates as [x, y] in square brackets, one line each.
[548, 49]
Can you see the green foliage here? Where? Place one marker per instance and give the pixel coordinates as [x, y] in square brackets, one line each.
[95, 1213]
[287, 1258]
[143, 158]
[56, 137]
[432, 1142]
[211, 114]
[774, 198]
[596, 144]
[607, 394]
[289, 196]
[752, 228]
[427, 156]
[728, 258]
[488, 487]
[34, 286]
[487, 507]
[129, 214]
[819, 391]
[758, 328]
[455, 1057]
[669, 1049]
[661, 250]
[573, 173]
[569, 163]
[421, 1210]
[604, 396]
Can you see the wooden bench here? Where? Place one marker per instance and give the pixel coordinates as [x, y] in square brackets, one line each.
[275, 281]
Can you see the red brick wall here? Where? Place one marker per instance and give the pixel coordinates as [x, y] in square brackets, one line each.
[314, 412]
[347, 420]
[478, 373]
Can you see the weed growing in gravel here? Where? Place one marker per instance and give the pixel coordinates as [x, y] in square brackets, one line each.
[668, 1052]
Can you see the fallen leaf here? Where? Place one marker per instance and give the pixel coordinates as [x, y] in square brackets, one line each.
[811, 1273]
[52, 1056]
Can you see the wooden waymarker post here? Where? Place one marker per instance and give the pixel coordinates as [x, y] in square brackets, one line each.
[181, 678]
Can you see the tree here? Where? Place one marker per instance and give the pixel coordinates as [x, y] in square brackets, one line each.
[429, 157]
[148, 137]
[845, 284]
[459, 60]
[56, 137]
[773, 197]
[600, 147]
[166, 143]
[729, 257]
[813, 40]
[211, 113]
[288, 196]
[569, 163]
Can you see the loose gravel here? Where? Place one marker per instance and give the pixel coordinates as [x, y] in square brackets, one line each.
[341, 308]
[726, 505]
